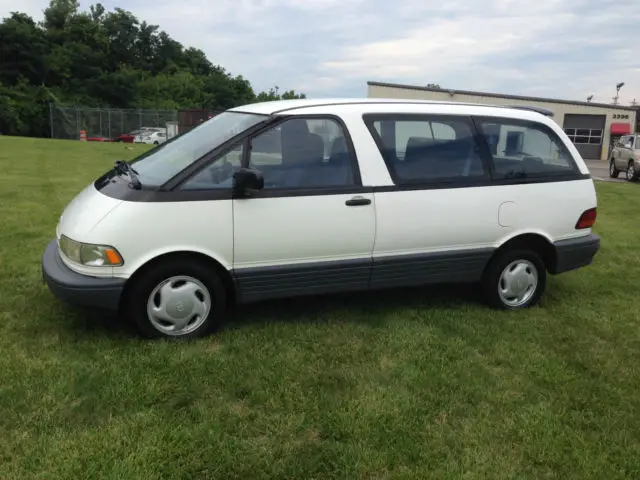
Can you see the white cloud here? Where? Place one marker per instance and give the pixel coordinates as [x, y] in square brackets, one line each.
[558, 48]
[545, 48]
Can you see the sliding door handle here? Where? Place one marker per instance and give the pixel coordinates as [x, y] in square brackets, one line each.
[355, 201]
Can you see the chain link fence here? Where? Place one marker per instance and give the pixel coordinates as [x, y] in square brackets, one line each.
[66, 122]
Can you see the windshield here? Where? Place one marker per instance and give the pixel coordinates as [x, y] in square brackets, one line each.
[160, 164]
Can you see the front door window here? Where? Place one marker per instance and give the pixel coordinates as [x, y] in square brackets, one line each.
[303, 153]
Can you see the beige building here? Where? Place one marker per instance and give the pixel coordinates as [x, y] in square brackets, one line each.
[591, 126]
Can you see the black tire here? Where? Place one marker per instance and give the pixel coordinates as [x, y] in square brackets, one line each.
[631, 177]
[613, 171]
[138, 294]
[492, 278]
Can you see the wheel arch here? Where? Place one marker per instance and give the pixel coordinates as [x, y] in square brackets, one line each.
[535, 241]
[224, 274]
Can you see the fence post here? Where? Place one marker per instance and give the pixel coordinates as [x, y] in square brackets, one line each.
[78, 127]
[109, 121]
[51, 117]
[139, 118]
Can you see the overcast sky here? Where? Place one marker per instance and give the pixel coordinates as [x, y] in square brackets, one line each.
[556, 48]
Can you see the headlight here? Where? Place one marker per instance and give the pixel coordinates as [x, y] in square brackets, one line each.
[88, 254]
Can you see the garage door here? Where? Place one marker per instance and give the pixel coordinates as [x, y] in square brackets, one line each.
[586, 132]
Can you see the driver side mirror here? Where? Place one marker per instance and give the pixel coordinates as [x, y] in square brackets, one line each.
[247, 180]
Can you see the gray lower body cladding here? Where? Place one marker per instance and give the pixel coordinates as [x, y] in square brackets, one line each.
[462, 266]
[263, 283]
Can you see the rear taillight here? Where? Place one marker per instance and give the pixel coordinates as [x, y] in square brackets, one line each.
[587, 219]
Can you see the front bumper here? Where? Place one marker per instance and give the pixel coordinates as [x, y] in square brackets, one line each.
[77, 289]
[575, 252]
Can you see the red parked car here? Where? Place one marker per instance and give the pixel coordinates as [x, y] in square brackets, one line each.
[127, 137]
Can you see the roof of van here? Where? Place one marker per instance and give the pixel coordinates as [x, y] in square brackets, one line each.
[283, 106]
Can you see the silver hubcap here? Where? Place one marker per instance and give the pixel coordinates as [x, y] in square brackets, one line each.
[179, 305]
[612, 169]
[630, 172]
[518, 283]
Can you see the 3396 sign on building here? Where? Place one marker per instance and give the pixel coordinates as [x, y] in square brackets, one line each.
[621, 116]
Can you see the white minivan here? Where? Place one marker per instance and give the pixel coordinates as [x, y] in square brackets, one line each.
[306, 197]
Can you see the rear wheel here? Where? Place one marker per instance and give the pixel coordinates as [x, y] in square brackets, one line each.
[514, 279]
[631, 173]
[613, 171]
[177, 299]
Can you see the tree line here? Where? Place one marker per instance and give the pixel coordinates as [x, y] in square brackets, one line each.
[101, 58]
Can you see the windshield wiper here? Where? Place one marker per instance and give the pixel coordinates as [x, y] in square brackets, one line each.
[121, 166]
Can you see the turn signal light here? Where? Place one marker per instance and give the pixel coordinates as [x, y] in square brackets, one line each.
[587, 219]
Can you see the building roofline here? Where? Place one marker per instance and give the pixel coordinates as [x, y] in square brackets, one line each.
[504, 96]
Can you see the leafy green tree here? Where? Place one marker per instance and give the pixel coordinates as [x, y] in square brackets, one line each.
[100, 58]
[274, 94]
[23, 50]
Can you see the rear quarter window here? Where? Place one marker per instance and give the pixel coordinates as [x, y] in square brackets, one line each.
[522, 149]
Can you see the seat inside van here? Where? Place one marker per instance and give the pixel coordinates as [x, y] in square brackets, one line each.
[436, 159]
[303, 162]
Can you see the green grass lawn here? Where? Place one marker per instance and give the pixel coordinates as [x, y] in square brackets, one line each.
[417, 384]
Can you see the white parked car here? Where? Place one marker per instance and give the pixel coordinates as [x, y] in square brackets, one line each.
[150, 137]
[251, 205]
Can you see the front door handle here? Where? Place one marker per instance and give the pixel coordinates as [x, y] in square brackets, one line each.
[355, 201]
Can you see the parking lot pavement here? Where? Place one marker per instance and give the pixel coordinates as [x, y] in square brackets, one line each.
[600, 171]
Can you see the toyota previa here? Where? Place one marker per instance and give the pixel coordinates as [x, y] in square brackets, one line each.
[308, 197]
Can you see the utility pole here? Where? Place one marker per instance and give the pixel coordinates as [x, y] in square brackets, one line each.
[617, 97]
[634, 103]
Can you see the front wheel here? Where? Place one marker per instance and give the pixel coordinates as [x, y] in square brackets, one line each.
[631, 173]
[514, 279]
[613, 171]
[177, 299]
